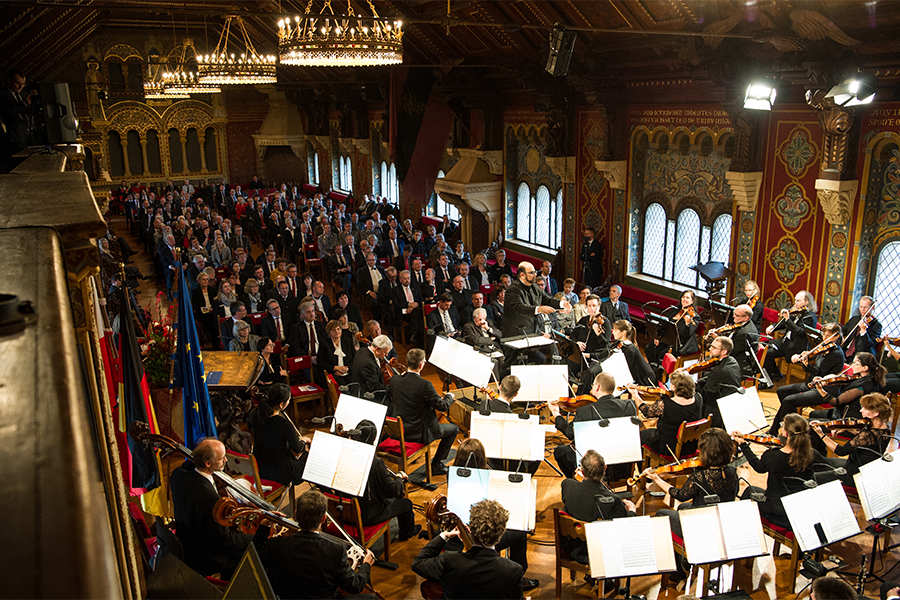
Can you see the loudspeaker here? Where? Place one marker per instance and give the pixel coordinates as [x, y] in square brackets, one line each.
[54, 115]
[562, 43]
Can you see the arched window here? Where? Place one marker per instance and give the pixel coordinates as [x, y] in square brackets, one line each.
[393, 186]
[539, 216]
[384, 178]
[313, 165]
[672, 246]
[346, 176]
[887, 288]
[437, 207]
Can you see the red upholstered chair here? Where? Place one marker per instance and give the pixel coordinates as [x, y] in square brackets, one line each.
[346, 511]
[688, 432]
[255, 319]
[668, 364]
[245, 466]
[566, 525]
[384, 263]
[395, 449]
[487, 290]
[221, 272]
[303, 392]
[313, 263]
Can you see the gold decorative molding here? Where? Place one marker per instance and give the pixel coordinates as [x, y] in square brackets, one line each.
[613, 171]
[836, 199]
[493, 158]
[836, 122]
[345, 144]
[364, 146]
[563, 167]
[745, 188]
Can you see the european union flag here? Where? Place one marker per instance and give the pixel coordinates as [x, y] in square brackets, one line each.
[188, 371]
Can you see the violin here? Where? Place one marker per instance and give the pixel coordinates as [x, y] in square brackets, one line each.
[820, 349]
[395, 365]
[714, 333]
[703, 365]
[890, 340]
[832, 379]
[752, 301]
[842, 424]
[598, 321]
[675, 467]
[363, 339]
[690, 310]
[572, 404]
[489, 393]
[646, 389]
[765, 440]
[791, 312]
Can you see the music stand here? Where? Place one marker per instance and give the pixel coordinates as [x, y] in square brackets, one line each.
[715, 274]
[568, 348]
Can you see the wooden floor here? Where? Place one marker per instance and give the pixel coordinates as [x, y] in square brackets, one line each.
[768, 578]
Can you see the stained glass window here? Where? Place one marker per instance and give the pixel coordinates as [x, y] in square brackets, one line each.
[523, 213]
[887, 289]
[720, 250]
[539, 216]
[654, 240]
[542, 217]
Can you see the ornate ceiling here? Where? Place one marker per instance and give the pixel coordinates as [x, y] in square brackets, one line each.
[495, 51]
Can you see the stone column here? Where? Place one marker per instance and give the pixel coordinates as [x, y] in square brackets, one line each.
[125, 154]
[184, 153]
[144, 154]
[202, 139]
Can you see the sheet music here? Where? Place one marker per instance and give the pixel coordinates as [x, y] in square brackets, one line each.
[507, 436]
[878, 483]
[321, 464]
[463, 492]
[530, 342]
[617, 366]
[517, 438]
[618, 443]
[742, 412]
[826, 504]
[636, 555]
[515, 497]
[353, 466]
[462, 361]
[541, 383]
[702, 534]
[838, 519]
[351, 410]
[741, 529]
[489, 431]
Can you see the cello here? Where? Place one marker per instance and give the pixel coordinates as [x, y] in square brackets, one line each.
[437, 514]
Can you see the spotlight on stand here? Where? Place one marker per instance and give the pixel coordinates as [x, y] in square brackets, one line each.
[851, 93]
[562, 44]
[759, 96]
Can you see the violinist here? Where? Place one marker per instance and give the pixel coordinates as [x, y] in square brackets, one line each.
[623, 336]
[592, 335]
[826, 363]
[278, 447]
[415, 401]
[716, 476]
[471, 452]
[745, 339]
[751, 297]
[794, 341]
[723, 379]
[209, 548]
[683, 406]
[686, 321]
[308, 564]
[793, 459]
[863, 330]
[365, 369]
[869, 444]
[892, 379]
[867, 377]
[604, 406]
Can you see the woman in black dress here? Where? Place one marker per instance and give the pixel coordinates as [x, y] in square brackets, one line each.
[670, 412]
[686, 321]
[272, 371]
[206, 309]
[788, 467]
[846, 401]
[623, 333]
[278, 447]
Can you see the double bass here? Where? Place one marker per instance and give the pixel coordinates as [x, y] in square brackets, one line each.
[437, 514]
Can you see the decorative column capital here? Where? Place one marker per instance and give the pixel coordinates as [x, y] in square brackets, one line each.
[363, 145]
[563, 167]
[613, 171]
[745, 188]
[836, 199]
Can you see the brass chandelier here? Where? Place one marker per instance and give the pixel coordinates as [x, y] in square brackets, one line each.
[224, 68]
[183, 79]
[328, 40]
[154, 88]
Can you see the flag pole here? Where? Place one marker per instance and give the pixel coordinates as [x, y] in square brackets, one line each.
[175, 299]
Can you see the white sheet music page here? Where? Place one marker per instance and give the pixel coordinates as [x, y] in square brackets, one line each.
[517, 498]
[617, 443]
[518, 439]
[636, 555]
[741, 529]
[351, 410]
[542, 383]
[838, 518]
[702, 534]
[321, 464]
[617, 366]
[463, 492]
[354, 463]
[878, 483]
[826, 504]
[742, 411]
[488, 429]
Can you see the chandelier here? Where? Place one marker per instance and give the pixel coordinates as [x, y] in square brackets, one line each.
[223, 68]
[182, 79]
[154, 88]
[340, 41]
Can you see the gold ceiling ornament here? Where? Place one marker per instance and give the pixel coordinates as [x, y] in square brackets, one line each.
[183, 77]
[330, 40]
[154, 88]
[224, 68]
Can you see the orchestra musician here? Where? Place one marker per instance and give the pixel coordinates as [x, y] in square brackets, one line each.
[307, 564]
[683, 406]
[723, 379]
[604, 406]
[785, 464]
[209, 548]
[846, 402]
[827, 363]
[623, 335]
[592, 334]
[471, 453]
[686, 321]
[794, 341]
[745, 339]
[364, 369]
[863, 330]
[279, 449]
[481, 572]
[752, 298]
[524, 301]
[415, 401]
[869, 444]
[373, 329]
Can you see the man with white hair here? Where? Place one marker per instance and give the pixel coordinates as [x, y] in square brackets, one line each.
[365, 370]
[615, 309]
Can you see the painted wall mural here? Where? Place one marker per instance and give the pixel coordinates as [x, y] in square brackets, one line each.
[594, 202]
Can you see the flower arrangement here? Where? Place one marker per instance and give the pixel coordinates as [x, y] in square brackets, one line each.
[159, 343]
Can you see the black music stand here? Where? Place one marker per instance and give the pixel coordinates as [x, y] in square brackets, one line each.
[661, 328]
[715, 274]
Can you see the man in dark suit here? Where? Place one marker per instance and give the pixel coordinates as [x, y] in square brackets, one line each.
[392, 246]
[615, 309]
[591, 500]
[480, 572]
[862, 331]
[447, 228]
[167, 258]
[208, 547]
[226, 328]
[321, 300]
[524, 301]
[446, 318]
[479, 332]
[306, 561]
[282, 294]
[404, 262]
[239, 240]
[415, 400]
[550, 286]
[606, 406]
[407, 303]
[470, 282]
[745, 340]
[444, 274]
[477, 301]
[265, 284]
[369, 280]
[340, 268]
[460, 296]
[365, 370]
[722, 380]
[591, 258]
[276, 325]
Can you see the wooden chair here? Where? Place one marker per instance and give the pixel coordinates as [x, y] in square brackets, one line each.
[565, 525]
[304, 392]
[333, 389]
[347, 512]
[780, 536]
[245, 465]
[687, 432]
[395, 449]
[313, 263]
[668, 364]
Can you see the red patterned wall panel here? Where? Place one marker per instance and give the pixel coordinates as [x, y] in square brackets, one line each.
[241, 150]
[593, 200]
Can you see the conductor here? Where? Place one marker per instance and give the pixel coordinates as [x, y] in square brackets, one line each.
[524, 301]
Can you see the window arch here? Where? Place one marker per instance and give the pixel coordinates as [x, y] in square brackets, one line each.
[673, 245]
[437, 207]
[345, 173]
[393, 190]
[887, 288]
[313, 162]
[539, 216]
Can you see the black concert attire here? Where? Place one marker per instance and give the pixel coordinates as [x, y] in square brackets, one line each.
[704, 481]
[670, 415]
[275, 442]
[723, 379]
[686, 335]
[796, 395]
[846, 402]
[854, 341]
[328, 355]
[365, 371]
[746, 341]
[271, 372]
[614, 311]
[777, 464]
[592, 260]
[383, 499]
[586, 501]
[209, 548]
[793, 342]
[597, 346]
[415, 400]
[479, 573]
[756, 317]
[605, 407]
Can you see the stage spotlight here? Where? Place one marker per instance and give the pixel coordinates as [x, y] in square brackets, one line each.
[759, 96]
